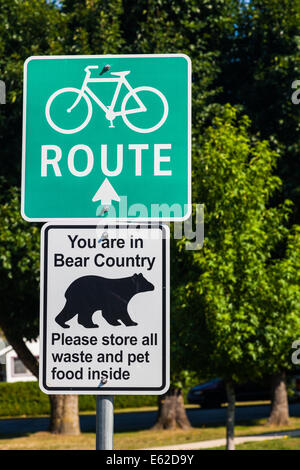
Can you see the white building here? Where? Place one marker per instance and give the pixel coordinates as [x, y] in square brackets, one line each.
[12, 368]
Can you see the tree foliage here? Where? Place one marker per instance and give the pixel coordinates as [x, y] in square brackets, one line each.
[260, 61]
[19, 269]
[26, 28]
[246, 280]
[234, 303]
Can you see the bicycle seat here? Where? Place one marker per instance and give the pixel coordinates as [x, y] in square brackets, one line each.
[120, 73]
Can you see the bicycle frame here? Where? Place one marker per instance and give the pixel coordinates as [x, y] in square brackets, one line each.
[110, 114]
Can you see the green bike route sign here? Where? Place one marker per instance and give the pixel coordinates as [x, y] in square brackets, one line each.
[107, 136]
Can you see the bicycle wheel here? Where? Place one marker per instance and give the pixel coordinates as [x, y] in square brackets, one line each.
[155, 114]
[58, 112]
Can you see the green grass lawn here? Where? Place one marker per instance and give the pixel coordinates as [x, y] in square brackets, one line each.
[148, 438]
[286, 443]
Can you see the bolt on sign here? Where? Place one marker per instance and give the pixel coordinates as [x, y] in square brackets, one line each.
[104, 325]
[107, 136]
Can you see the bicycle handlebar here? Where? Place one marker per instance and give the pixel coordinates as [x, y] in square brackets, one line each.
[91, 67]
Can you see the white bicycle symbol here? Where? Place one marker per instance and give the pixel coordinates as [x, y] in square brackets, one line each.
[110, 113]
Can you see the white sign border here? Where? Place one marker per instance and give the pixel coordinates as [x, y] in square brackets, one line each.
[166, 316]
[112, 219]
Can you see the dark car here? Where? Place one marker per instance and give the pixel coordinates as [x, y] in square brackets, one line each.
[212, 394]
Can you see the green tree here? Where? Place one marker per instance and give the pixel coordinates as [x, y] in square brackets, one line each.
[19, 289]
[171, 410]
[26, 28]
[248, 328]
[19, 272]
[196, 28]
[259, 62]
[279, 306]
[93, 26]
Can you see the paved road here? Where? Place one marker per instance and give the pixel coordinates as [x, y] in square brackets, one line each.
[142, 420]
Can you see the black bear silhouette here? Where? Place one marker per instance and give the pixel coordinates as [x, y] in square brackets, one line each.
[88, 294]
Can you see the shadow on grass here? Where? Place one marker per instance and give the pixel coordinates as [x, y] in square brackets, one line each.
[130, 422]
[14, 435]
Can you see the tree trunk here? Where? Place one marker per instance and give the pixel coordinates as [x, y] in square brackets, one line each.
[230, 417]
[64, 415]
[56, 411]
[279, 401]
[171, 411]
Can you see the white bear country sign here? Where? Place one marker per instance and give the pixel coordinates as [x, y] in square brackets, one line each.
[104, 309]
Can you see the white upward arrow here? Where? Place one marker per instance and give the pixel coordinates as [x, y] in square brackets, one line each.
[106, 193]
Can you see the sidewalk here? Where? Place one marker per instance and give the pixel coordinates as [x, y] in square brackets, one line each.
[222, 442]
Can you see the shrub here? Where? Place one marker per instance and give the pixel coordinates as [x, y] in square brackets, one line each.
[26, 399]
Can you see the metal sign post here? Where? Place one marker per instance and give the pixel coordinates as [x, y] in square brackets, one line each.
[104, 422]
